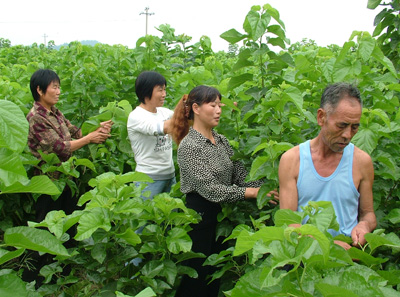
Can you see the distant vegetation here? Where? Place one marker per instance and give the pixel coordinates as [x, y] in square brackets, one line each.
[83, 42]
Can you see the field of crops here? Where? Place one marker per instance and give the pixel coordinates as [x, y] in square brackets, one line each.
[277, 94]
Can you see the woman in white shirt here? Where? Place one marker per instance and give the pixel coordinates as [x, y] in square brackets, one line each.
[148, 128]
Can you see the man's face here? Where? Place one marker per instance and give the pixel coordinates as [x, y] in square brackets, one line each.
[339, 127]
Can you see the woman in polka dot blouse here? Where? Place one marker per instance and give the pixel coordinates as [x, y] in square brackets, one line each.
[208, 177]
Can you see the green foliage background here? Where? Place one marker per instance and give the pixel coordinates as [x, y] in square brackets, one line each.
[277, 87]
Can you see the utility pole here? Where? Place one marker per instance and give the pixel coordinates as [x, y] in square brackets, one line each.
[147, 13]
[44, 36]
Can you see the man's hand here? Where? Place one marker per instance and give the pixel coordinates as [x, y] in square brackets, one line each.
[358, 233]
[343, 244]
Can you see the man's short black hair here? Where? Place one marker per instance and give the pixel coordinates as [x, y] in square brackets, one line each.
[336, 92]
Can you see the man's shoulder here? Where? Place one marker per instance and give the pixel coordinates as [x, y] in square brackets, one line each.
[361, 156]
[292, 153]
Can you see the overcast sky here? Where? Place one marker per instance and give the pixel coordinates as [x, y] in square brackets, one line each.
[121, 22]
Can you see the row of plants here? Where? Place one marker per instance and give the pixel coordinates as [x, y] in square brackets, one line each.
[277, 94]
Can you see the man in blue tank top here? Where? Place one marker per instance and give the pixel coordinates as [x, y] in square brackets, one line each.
[330, 168]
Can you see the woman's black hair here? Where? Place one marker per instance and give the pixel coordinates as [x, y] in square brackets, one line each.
[145, 83]
[42, 78]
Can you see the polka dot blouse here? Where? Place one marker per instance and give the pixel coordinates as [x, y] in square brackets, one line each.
[207, 169]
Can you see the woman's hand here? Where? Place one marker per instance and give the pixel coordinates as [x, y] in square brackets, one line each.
[275, 196]
[105, 127]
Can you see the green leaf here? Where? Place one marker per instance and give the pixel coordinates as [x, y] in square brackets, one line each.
[277, 42]
[274, 146]
[88, 196]
[313, 231]
[392, 276]
[246, 240]
[255, 24]
[324, 217]
[236, 81]
[376, 241]
[345, 68]
[229, 103]
[232, 36]
[55, 222]
[91, 221]
[366, 47]
[152, 268]
[72, 219]
[366, 140]
[277, 30]
[41, 184]
[382, 115]
[244, 60]
[328, 290]
[372, 4]
[9, 255]
[389, 292]
[294, 95]
[170, 271]
[128, 206]
[12, 286]
[385, 61]
[134, 177]
[130, 237]
[13, 127]
[262, 196]
[339, 255]
[256, 165]
[367, 259]
[34, 239]
[394, 216]
[148, 292]
[48, 271]
[85, 162]
[178, 241]
[251, 284]
[11, 168]
[99, 252]
[287, 217]
[274, 13]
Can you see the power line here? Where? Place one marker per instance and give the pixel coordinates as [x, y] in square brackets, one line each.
[44, 36]
[147, 13]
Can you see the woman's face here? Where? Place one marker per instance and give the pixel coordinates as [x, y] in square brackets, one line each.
[51, 96]
[158, 96]
[208, 113]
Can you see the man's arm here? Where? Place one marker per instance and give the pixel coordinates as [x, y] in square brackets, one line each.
[288, 173]
[366, 214]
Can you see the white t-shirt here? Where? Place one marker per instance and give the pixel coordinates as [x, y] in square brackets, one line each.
[151, 147]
